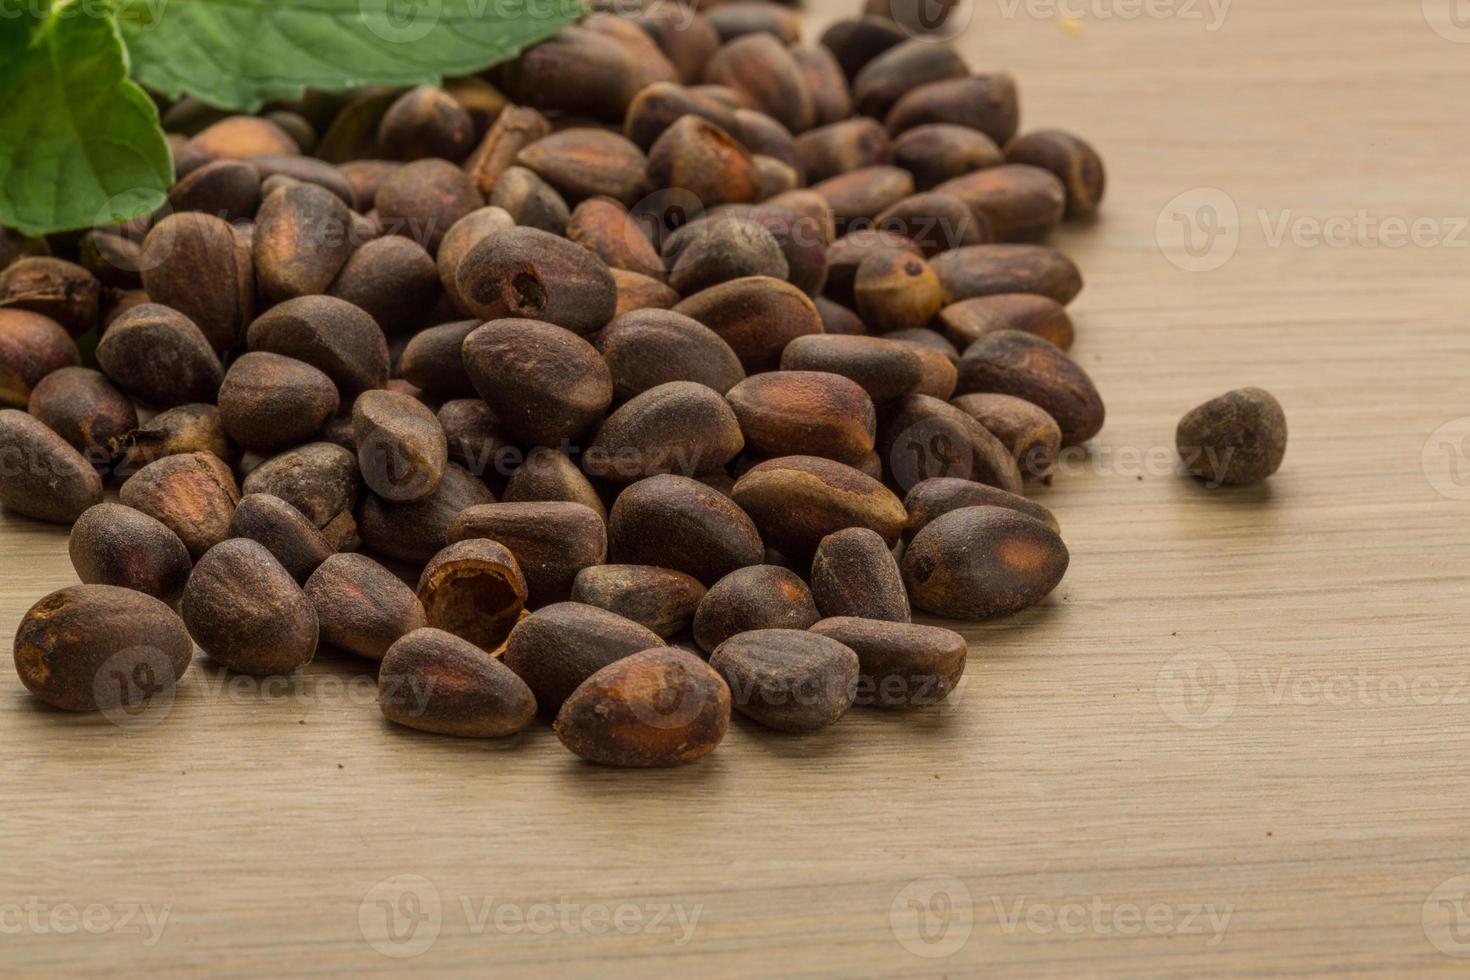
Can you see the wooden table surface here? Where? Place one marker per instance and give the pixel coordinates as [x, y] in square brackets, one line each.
[1235, 741]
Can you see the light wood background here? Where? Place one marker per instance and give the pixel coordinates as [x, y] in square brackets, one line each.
[1236, 741]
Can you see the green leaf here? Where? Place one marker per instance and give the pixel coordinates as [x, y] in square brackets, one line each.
[80, 145]
[239, 54]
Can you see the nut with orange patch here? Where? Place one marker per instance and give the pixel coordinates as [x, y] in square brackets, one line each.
[31, 347]
[753, 598]
[805, 413]
[656, 708]
[97, 647]
[362, 607]
[193, 494]
[980, 562]
[796, 501]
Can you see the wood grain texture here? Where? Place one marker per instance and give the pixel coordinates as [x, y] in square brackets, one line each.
[1247, 704]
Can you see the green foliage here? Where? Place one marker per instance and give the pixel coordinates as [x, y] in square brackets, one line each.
[238, 55]
[79, 143]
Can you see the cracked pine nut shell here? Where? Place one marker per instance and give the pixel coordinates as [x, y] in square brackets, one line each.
[474, 589]
[55, 288]
[193, 428]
